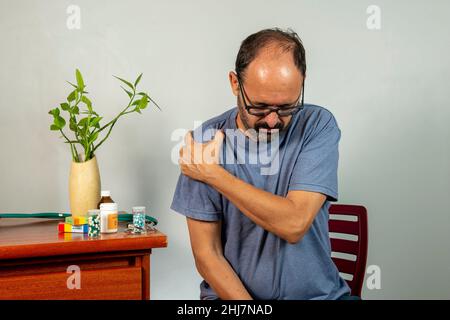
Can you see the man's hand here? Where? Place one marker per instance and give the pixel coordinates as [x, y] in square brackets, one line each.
[200, 161]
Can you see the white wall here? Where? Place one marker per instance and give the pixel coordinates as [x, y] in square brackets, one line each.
[388, 89]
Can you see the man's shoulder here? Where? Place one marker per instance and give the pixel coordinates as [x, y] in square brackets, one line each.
[206, 130]
[318, 112]
[318, 116]
[219, 121]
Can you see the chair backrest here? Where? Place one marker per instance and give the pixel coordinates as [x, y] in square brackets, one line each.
[349, 236]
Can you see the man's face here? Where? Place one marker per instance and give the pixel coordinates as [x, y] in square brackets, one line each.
[272, 79]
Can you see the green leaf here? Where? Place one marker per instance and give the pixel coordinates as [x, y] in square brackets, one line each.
[137, 110]
[59, 122]
[95, 122]
[93, 137]
[80, 81]
[62, 122]
[82, 122]
[65, 106]
[136, 102]
[73, 125]
[54, 127]
[72, 96]
[145, 94]
[128, 92]
[143, 103]
[76, 110]
[87, 102]
[90, 112]
[137, 80]
[154, 103]
[54, 112]
[72, 84]
[126, 82]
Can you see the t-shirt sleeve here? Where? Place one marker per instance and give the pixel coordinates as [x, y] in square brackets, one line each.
[193, 198]
[316, 166]
[197, 200]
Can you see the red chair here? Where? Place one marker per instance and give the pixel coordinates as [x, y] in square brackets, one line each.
[354, 269]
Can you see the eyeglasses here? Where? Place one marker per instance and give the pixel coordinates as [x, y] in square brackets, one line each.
[262, 111]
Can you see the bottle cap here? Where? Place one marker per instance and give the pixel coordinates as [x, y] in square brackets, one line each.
[106, 193]
[108, 206]
[93, 212]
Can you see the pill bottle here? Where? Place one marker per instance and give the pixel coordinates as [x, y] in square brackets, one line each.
[138, 219]
[93, 223]
[108, 217]
[105, 198]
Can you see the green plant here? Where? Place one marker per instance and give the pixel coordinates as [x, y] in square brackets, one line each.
[87, 129]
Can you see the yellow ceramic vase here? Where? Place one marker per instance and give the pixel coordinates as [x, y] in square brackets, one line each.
[84, 187]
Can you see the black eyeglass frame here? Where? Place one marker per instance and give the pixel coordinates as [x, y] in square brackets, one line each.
[265, 111]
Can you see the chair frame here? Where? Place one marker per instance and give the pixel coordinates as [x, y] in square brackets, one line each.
[358, 248]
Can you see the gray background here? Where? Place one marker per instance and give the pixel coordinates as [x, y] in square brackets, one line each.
[388, 89]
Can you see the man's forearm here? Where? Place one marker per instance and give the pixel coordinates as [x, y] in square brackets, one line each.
[219, 274]
[274, 213]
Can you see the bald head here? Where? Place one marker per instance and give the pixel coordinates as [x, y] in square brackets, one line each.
[272, 77]
[266, 40]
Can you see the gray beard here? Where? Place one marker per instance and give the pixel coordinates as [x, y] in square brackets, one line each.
[251, 132]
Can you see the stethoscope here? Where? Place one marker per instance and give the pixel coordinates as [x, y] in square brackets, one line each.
[127, 217]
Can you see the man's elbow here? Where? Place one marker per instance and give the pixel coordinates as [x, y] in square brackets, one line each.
[204, 258]
[294, 237]
[295, 233]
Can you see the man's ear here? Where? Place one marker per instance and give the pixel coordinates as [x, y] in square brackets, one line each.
[232, 76]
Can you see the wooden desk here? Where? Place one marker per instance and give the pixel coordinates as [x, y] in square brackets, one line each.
[34, 261]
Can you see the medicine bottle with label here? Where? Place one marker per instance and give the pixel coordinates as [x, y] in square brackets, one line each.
[105, 198]
[108, 218]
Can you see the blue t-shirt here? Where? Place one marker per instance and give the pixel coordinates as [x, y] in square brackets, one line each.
[306, 159]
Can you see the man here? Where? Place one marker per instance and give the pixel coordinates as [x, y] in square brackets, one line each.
[259, 234]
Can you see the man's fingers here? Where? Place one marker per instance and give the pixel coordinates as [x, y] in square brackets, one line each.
[218, 138]
[212, 148]
[184, 156]
[218, 141]
[188, 140]
[196, 153]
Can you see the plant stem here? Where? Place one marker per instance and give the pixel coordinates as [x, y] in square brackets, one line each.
[77, 159]
[107, 135]
[71, 150]
[113, 121]
[72, 147]
[77, 136]
[120, 114]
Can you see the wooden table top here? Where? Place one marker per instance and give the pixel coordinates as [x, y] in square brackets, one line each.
[26, 238]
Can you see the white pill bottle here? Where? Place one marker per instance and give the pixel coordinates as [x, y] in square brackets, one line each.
[109, 216]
